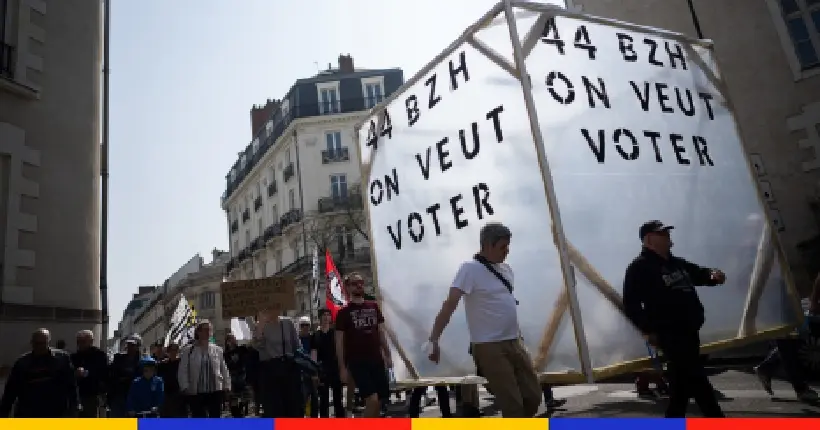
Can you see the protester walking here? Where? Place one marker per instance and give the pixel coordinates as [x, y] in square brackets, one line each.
[276, 340]
[236, 357]
[785, 353]
[324, 352]
[252, 378]
[660, 299]
[91, 369]
[173, 405]
[361, 346]
[486, 284]
[124, 368]
[414, 405]
[310, 382]
[42, 383]
[203, 374]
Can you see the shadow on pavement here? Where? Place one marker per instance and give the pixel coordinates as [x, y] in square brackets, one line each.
[631, 408]
[621, 408]
[629, 378]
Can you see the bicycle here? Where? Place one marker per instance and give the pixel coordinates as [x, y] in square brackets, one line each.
[147, 414]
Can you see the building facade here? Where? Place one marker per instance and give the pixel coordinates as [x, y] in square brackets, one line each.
[295, 188]
[202, 290]
[149, 321]
[50, 71]
[139, 302]
[769, 54]
[149, 314]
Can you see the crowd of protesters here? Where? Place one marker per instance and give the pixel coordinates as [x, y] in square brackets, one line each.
[288, 369]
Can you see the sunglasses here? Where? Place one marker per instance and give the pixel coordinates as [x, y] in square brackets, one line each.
[355, 283]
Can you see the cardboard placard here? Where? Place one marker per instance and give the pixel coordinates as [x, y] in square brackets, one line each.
[250, 296]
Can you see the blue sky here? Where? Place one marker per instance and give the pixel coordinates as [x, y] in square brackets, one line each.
[184, 75]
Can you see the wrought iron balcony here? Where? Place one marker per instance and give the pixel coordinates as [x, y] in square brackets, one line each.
[257, 204]
[288, 172]
[335, 155]
[256, 244]
[272, 189]
[340, 203]
[290, 217]
[246, 215]
[272, 231]
[234, 226]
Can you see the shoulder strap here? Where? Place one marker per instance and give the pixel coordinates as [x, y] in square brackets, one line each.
[500, 277]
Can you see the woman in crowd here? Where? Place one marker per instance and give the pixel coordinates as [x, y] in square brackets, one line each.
[203, 374]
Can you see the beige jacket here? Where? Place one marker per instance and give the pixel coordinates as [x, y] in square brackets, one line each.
[190, 364]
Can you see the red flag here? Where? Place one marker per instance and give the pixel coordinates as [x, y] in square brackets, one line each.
[335, 294]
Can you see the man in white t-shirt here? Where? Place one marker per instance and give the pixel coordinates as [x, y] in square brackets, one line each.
[486, 284]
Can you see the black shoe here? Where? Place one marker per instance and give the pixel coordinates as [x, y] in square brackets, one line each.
[470, 411]
[555, 403]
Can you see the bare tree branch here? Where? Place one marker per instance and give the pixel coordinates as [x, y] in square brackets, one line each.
[356, 217]
[320, 228]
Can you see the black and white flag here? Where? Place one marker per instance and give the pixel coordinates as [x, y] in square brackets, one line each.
[183, 321]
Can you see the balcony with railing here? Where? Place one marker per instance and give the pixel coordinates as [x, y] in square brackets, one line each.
[257, 203]
[272, 189]
[291, 217]
[272, 231]
[352, 201]
[246, 215]
[335, 155]
[234, 226]
[280, 120]
[256, 244]
[288, 172]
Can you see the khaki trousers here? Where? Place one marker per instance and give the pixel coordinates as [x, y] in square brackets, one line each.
[510, 376]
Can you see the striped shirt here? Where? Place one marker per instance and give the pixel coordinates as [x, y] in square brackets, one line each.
[207, 376]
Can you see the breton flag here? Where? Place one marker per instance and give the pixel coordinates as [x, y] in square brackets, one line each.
[335, 295]
[183, 322]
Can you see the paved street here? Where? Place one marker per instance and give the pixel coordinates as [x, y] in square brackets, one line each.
[742, 397]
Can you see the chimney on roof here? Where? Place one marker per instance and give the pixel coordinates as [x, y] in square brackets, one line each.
[260, 114]
[345, 63]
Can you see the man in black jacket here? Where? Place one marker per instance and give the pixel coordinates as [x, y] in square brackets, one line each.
[91, 367]
[124, 368]
[41, 382]
[173, 406]
[660, 299]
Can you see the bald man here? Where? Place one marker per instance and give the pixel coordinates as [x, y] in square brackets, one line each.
[42, 383]
[91, 369]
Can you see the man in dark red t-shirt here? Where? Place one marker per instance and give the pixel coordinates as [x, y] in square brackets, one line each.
[361, 346]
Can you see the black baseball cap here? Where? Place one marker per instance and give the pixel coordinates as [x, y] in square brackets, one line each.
[653, 226]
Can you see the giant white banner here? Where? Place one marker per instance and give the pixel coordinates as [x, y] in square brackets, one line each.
[635, 126]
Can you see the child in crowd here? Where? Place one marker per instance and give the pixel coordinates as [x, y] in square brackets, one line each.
[147, 392]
